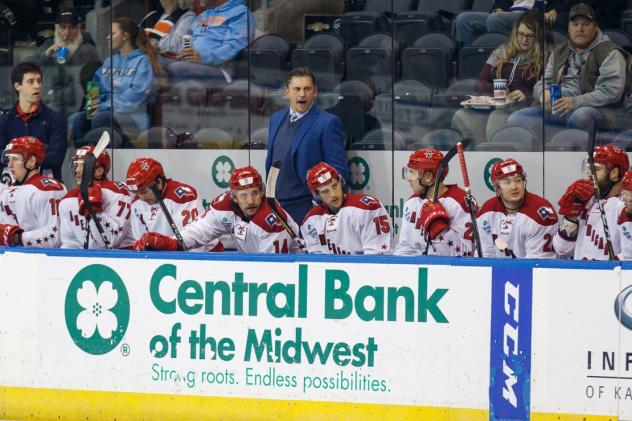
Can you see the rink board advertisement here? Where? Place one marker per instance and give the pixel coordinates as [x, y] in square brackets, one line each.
[253, 337]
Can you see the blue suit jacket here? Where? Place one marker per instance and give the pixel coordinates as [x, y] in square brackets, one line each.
[319, 139]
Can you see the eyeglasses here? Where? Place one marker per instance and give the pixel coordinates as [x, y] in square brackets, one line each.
[528, 37]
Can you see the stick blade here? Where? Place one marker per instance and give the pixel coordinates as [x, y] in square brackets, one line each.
[103, 143]
[273, 174]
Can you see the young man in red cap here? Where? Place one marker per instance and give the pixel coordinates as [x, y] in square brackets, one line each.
[343, 223]
[516, 223]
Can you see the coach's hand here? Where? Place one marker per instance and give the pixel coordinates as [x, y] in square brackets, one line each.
[156, 241]
[574, 200]
[10, 235]
[434, 219]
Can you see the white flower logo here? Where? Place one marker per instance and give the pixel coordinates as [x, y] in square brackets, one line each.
[357, 173]
[223, 171]
[96, 313]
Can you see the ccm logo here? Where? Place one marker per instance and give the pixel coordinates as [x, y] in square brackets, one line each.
[510, 341]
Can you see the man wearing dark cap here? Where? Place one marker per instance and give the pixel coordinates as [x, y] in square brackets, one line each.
[591, 72]
[63, 86]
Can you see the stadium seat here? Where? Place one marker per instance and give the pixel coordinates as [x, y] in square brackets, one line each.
[472, 59]
[376, 17]
[214, 138]
[156, 138]
[258, 140]
[442, 139]
[568, 140]
[495, 147]
[92, 137]
[430, 59]
[522, 139]
[269, 57]
[626, 21]
[354, 102]
[490, 39]
[624, 140]
[446, 9]
[621, 38]
[380, 140]
[274, 101]
[446, 103]
[385, 5]
[372, 62]
[323, 54]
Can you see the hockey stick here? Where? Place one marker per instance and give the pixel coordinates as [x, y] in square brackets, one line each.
[504, 247]
[270, 197]
[87, 178]
[435, 193]
[172, 223]
[593, 175]
[469, 199]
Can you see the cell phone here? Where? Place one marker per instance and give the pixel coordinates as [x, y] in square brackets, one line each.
[186, 41]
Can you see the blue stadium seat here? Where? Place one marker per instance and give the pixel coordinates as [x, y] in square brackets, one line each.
[484, 6]
[214, 138]
[621, 38]
[354, 103]
[323, 54]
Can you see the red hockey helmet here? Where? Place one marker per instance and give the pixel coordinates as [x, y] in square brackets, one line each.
[245, 178]
[427, 159]
[612, 156]
[103, 160]
[506, 168]
[626, 182]
[142, 172]
[321, 174]
[27, 146]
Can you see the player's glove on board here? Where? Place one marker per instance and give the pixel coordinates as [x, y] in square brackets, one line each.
[7, 234]
[434, 218]
[577, 195]
[156, 241]
[95, 197]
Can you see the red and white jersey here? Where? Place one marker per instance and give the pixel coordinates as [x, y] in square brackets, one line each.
[361, 226]
[4, 218]
[456, 241]
[263, 233]
[624, 226]
[591, 239]
[528, 232]
[181, 200]
[33, 207]
[114, 219]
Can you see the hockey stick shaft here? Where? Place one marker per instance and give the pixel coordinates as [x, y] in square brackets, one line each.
[476, 239]
[87, 178]
[172, 223]
[270, 197]
[593, 172]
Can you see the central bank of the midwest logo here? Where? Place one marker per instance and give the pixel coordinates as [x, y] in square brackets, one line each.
[97, 309]
[359, 173]
[222, 168]
[487, 174]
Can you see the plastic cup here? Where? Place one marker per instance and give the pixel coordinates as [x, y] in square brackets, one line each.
[62, 55]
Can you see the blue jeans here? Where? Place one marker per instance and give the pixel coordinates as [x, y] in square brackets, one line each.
[502, 21]
[470, 25]
[125, 125]
[531, 118]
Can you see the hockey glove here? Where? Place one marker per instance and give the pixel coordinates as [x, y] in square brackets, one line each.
[577, 195]
[434, 218]
[156, 241]
[95, 197]
[7, 234]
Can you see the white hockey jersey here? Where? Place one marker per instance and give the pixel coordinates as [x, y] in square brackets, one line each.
[181, 200]
[591, 241]
[529, 232]
[33, 206]
[624, 226]
[361, 226]
[456, 241]
[114, 219]
[263, 233]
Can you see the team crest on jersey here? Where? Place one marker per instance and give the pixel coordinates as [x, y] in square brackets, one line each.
[120, 185]
[406, 214]
[311, 230]
[154, 212]
[182, 191]
[545, 212]
[367, 200]
[48, 182]
[487, 229]
[626, 233]
[271, 220]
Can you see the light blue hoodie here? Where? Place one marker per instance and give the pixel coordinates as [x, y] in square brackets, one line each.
[133, 85]
[220, 33]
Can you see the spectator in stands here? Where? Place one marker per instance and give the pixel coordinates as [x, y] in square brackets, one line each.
[165, 31]
[608, 13]
[520, 62]
[30, 117]
[504, 13]
[65, 90]
[300, 137]
[591, 72]
[219, 34]
[134, 66]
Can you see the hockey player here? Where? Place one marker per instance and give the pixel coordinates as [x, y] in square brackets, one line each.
[447, 222]
[30, 215]
[241, 212]
[624, 224]
[343, 223]
[581, 232]
[523, 222]
[109, 200]
[181, 201]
